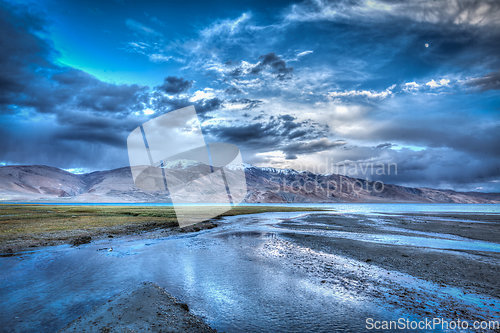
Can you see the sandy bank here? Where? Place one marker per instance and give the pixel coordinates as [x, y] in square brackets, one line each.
[147, 308]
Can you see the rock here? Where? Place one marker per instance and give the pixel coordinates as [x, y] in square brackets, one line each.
[81, 240]
[184, 306]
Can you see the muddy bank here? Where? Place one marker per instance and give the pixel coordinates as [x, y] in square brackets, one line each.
[475, 271]
[81, 237]
[25, 227]
[145, 308]
[453, 272]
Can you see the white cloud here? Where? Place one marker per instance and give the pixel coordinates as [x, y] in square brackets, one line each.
[301, 54]
[365, 93]
[226, 27]
[440, 83]
[156, 57]
[465, 12]
[206, 93]
[412, 85]
[444, 82]
[142, 29]
[432, 84]
[139, 45]
[152, 50]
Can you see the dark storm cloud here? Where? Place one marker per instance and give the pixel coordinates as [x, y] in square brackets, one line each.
[89, 93]
[298, 148]
[259, 117]
[289, 125]
[74, 89]
[92, 135]
[237, 72]
[263, 135]
[490, 81]
[31, 79]
[252, 135]
[254, 132]
[385, 145]
[416, 168]
[162, 104]
[477, 142]
[89, 110]
[249, 103]
[275, 63]
[207, 105]
[278, 133]
[68, 106]
[21, 48]
[286, 117]
[94, 128]
[433, 153]
[49, 143]
[175, 85]
[297, 134]
[269, 62]
[232, 91]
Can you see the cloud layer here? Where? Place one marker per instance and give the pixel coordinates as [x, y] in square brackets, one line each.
[318, 83]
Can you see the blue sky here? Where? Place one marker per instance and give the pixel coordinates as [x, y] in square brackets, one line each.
[300, 84]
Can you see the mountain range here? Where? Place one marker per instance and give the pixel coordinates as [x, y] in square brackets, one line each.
[39, 183]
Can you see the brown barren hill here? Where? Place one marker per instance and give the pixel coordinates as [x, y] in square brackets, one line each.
[38, 183]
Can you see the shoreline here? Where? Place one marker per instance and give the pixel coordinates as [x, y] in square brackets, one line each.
[24, 227]
[473, 270]
[471, 273]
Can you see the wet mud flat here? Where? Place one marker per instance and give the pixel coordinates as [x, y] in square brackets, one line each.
[146, 308]
[434, 265]
[270, 272]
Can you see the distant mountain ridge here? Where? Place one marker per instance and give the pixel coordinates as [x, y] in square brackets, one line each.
[37, 183]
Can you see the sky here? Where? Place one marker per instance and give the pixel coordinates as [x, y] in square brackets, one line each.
[308, 85]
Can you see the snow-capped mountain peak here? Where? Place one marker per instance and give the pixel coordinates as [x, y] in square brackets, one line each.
[278, 171]
[240, 166]
[180, 164]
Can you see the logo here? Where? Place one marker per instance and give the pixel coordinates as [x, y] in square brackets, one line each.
[169, 153]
